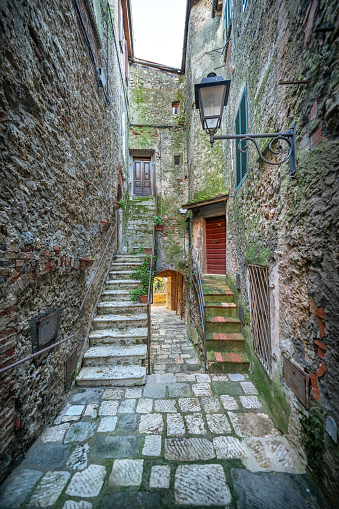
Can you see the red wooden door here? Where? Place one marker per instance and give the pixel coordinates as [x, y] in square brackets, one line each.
[216, 245]
[142, 178]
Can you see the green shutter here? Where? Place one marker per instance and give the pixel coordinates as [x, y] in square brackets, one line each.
[227, 16]
[241, 127]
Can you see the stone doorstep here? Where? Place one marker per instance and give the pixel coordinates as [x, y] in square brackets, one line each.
[119, 376]
[122, 282]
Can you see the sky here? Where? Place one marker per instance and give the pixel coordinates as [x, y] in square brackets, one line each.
[158, 27]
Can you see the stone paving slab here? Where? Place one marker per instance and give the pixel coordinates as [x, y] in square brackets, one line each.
[79, 432]
[87, 483]
[253, 425]
[275, 489]
[18, 487]
[107, 446]
[71, 504]
[201, 485]
[127, 472]
[49, 456]
[131, 500]
[49, 489]
[152, 445]
[175, 425]
[151, 423]
[188, 449]
[78, 458]
[160, 477]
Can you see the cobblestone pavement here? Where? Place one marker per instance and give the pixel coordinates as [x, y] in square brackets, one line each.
[185, 439]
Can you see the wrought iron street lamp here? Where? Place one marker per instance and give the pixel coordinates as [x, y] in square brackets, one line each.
[211, 96]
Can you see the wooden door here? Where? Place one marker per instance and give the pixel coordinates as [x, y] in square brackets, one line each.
[142, 178]
[216, 245]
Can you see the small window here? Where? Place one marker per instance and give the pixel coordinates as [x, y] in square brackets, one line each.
[175, 108]
[240, 127]
[244, 3]
[176, 160]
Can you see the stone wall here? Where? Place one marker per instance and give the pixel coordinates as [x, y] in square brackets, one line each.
[205, 170]
[57, 182]
[288, 223]
[156, 132]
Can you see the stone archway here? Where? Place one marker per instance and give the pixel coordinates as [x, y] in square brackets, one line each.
[175, 291]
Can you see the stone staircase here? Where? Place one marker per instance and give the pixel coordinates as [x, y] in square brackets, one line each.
[117, 349]
[225, 345]
[139, 223]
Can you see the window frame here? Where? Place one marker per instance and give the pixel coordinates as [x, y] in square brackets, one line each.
[175, 104]
[239, 157]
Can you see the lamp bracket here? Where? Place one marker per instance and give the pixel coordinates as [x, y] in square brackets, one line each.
[275, 149]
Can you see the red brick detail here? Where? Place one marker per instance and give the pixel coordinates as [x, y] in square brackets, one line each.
[321, 370]
[321, 325]
[315, 386]
[216, 336]
[221, 319]
[321, 345]
[235, 357]
[316, 137]
[223, 336]
[314, 110]
[310, 19]
[316, 394]
[214, 319]
[218, 357]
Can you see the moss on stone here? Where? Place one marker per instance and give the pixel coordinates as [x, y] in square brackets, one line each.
[313, 438]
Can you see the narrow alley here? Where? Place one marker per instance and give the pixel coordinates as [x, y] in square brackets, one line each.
[169, 279]
[186, 439]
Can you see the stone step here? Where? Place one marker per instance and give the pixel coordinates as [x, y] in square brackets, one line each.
[115, 296]
[223, 324]
[127, 336]
[120, 274]
[120, 321]
[115, 356]
[119, 376]
[124, 266]
[121, 284]
[221, 309]
[121, 308]
[121, 258]
[222, 342]
[227, 362]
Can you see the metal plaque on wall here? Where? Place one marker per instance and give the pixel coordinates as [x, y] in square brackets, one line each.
[298, 381]
[47, 328]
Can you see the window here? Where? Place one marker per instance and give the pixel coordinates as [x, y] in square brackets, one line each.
[176, 160]
[240, 127]
[228, 17]
[175, 108]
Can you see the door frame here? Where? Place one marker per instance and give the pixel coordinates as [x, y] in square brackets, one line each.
[142, 155]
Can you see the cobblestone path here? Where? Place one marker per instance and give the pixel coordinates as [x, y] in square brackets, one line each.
[183, 440]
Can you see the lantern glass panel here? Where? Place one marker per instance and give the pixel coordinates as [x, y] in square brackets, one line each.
[212, 100]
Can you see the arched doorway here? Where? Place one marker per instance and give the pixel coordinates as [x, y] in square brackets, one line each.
[175, 290]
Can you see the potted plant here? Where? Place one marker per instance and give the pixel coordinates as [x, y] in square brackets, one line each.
[159, 223]
[142, 273]
[122, 204]
[105, 226]
[86, 262]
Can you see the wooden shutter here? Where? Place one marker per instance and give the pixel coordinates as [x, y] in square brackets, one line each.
[227, 16]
